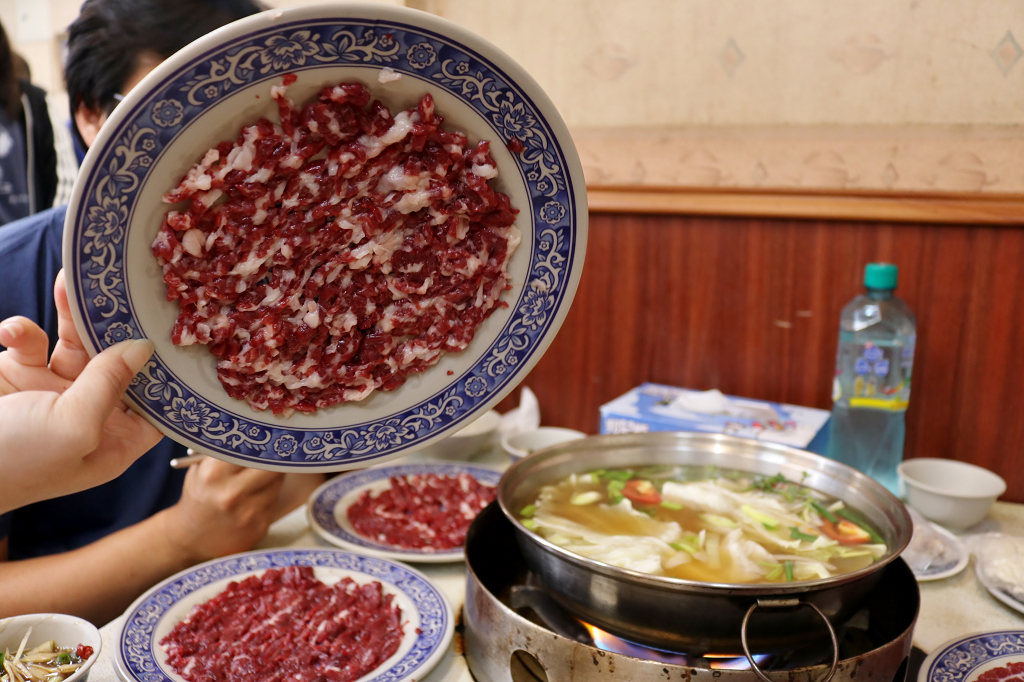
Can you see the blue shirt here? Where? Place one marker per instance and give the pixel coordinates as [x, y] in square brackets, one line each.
[30, 258]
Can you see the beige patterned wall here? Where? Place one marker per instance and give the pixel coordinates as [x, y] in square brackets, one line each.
[873, 95]
[721, 62]
[763, 62]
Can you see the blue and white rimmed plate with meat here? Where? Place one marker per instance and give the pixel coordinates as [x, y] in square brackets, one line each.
[413, 512]
[302, 614]
[327, 289]
[984, 657]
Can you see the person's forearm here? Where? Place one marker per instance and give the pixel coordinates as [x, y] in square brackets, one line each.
[97, 582]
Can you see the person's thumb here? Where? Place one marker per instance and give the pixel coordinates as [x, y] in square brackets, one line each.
[88, 402]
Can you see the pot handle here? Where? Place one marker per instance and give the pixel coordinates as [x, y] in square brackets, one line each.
[786, 603]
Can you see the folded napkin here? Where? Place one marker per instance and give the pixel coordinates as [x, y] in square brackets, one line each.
[526, 417]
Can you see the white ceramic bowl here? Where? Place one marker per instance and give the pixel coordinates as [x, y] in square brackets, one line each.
[67, 631]
[203, 95]
[520, 445]
[955, 494]
[469, 441]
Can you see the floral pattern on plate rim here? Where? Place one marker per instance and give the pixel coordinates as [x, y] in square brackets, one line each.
[115, 179]
[958, 660]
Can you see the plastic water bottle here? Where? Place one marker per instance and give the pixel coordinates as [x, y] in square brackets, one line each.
[871, 391]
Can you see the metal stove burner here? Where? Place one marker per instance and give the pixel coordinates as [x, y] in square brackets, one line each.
[534, 603]
[516, 632]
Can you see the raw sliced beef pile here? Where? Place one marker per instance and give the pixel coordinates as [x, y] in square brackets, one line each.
[335, 253]
[1011, 672]
[286, 625]
[417, 512]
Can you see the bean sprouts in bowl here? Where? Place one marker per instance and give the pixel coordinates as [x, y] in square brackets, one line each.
[47, 647]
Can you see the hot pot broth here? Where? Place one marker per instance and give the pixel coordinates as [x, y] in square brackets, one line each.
[704, 524]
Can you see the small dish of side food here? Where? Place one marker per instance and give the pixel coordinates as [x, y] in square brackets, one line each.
[47, 647]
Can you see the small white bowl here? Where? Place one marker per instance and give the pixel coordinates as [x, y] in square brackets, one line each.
[955, 494]
[469, 441]
[520, 445]
[67, 631]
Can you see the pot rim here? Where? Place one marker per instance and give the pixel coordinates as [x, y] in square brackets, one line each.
[902, 530]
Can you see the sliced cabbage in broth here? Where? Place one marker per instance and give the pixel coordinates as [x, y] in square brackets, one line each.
[711, 526]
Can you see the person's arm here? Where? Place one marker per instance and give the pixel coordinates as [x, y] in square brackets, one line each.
[96, 582]
[224, 509]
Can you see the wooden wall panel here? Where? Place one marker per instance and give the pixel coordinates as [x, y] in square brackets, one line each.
[752, 307]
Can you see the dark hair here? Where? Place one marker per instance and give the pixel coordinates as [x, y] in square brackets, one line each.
[10, 91]
[106, 40]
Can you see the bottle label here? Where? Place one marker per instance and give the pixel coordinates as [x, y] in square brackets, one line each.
[875, 376]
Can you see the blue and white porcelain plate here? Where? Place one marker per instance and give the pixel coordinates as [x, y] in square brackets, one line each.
[205, 94]
[1006, 598]
[426, 615]
[966, 659]
[328, 507]
[952, 559]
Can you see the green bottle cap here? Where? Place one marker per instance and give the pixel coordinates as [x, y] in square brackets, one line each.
[880, 276]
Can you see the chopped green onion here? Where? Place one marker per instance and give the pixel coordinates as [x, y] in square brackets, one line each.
[683, 547]
[795, 533]
[767, 484]
[775, 572]
[765, 520]
[671, 505]
[789, 571]
[615, 498]
[716, 520]
[646, 510]
[530, 523]
[804, 476]
[855, 518]
[528, 511]
[790, 493]
[822, 512]
[64, 658]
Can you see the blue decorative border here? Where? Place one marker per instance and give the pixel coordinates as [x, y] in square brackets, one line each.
[321, 509]
[957, 661]
[108, 191]
[136, 646]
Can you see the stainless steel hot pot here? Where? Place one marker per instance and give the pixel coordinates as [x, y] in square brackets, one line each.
[686, 615]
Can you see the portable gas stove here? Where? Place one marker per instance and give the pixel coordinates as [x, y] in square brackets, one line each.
[515, 631]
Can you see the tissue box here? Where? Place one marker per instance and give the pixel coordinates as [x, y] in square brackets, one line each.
[653, 407]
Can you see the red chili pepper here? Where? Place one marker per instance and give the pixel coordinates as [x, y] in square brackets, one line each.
[83, 652]
[845, 532]
[641, 492]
